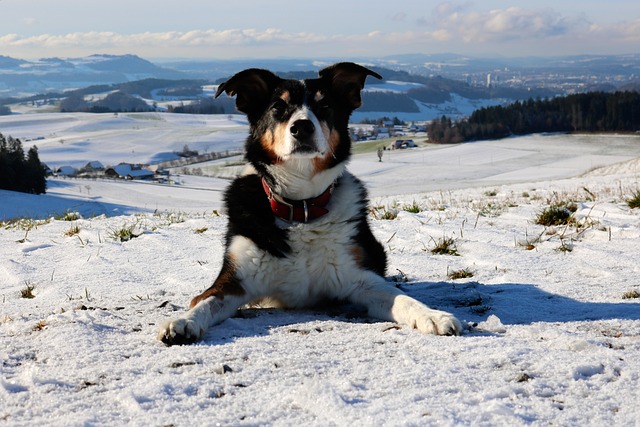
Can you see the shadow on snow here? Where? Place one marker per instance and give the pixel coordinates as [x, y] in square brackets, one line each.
[44, 206]
[516, 303]
[512, 303]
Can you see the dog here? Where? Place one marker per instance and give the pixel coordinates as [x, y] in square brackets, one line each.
[297, 230]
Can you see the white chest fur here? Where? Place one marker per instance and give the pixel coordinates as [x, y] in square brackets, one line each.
[321, 262]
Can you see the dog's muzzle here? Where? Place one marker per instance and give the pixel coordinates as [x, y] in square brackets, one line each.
[303, 131]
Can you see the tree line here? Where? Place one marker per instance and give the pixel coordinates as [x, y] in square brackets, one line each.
[585, 112]
[20, 172]
[116, 102]
[205, 106]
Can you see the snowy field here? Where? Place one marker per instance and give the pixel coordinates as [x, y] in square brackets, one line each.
[74, 139]
[552, 329]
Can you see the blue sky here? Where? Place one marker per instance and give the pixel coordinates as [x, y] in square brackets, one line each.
[319, 28]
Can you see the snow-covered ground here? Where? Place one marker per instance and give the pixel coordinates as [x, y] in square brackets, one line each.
[74, 139]
[550, 337]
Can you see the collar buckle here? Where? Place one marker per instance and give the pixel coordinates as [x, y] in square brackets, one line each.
[289, 206]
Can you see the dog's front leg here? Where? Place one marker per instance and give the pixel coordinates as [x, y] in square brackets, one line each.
[193, 324]
[386, 302]
[213, 306]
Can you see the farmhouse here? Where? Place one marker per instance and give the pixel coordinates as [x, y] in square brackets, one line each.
[128, 171]
[66, 171]
[94, 166]
[91, 170]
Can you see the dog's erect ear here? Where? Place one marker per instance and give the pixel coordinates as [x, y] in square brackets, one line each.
[346, 80]
[252, 89]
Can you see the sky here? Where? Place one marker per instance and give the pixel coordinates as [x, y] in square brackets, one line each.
[205, 29]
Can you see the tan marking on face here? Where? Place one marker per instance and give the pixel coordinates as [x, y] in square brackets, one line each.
[279, 140]
[333, 139]
[286, 96]
[269, 142]
[319, 96]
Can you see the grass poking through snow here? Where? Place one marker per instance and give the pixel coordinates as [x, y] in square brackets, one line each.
[634, 201]
[27, 292]
[463, 273]
[445, 246]
[557, 214]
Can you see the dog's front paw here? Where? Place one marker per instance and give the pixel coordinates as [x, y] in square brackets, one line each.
[438, 323]
[180, 332]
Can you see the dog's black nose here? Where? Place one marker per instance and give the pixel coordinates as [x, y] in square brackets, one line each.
[302, 129]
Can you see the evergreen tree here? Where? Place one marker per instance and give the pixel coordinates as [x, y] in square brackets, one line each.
[18, 173]
[15, 163]
[5, 170]
[35, 179]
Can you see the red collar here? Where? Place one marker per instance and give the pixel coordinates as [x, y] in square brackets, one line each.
[298, 210]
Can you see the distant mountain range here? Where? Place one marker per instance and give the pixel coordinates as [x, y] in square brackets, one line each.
[416, 87]
[23, 77]
[443, 64]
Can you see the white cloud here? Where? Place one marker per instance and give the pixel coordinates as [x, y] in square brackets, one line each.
[237, 37]
[463, 27]
[449, 28]
[623, 32]
[512, 23]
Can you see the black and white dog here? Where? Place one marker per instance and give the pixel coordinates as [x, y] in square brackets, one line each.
[298, 231]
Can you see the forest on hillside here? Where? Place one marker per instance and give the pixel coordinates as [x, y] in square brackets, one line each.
[585, 112]
[116, 102]
[20, 172]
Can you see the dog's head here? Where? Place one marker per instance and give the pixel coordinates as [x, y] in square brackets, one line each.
[298, 128]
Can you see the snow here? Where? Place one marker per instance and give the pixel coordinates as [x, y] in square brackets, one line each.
[391, 86]
[70, 139]
[549, 337]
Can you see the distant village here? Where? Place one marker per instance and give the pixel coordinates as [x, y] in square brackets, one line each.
[390, 131]
[126, 171]
[386, 129]
[157, 172]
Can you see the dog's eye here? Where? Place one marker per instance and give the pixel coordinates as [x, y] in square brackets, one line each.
[279, 106]
[322, 105]
[322, 109]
